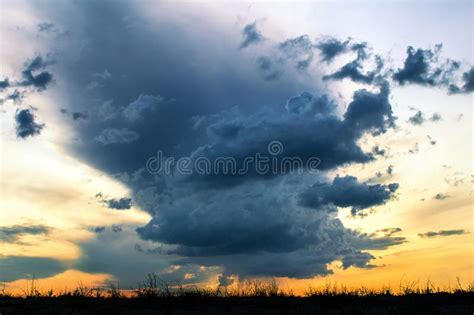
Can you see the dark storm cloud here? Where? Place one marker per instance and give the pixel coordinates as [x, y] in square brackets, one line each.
[247, 220]
[468, 86]
[19, 267]
[248, 224]
[34, 74]
[331, 48]
[308, 261]
[347, 192]
[245, 216]
[11, 234]
[432, 234]
[417, 119]
[258, 224]
[250, 35]
[26, 125]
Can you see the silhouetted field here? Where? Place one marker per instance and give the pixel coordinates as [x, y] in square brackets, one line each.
[253, 297]
[440, 303]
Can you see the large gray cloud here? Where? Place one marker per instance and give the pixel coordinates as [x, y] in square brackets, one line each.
[245, 224]
[252, 230]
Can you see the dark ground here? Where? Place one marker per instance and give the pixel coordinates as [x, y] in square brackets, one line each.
[441, 303]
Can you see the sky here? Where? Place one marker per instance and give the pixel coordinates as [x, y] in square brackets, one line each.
[217, 142]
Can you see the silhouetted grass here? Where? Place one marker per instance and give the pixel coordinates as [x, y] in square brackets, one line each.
[155, 296]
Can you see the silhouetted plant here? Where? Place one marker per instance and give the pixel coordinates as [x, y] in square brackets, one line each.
[114, 290]
[82, 291]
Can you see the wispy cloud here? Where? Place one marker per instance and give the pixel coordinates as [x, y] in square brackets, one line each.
[432, 234]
